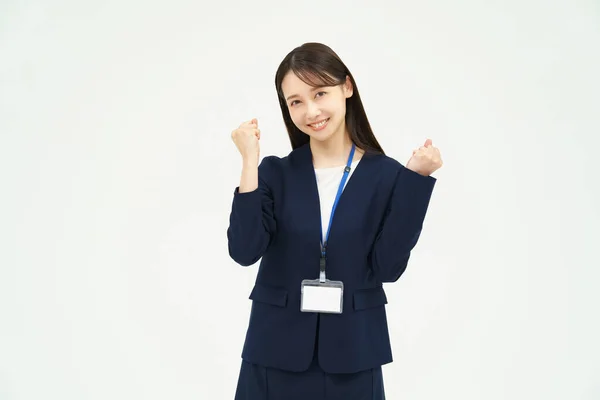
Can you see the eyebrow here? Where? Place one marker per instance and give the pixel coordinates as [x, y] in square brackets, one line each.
[312, 90]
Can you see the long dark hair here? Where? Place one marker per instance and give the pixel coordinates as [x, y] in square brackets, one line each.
[318, 65]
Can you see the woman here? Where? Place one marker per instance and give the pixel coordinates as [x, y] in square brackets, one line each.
[330, 222]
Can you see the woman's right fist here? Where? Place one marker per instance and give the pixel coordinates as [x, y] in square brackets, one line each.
[246, 139]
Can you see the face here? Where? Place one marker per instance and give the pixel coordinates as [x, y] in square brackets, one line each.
[320, 112]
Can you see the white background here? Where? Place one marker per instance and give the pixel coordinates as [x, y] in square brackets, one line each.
[118, 173]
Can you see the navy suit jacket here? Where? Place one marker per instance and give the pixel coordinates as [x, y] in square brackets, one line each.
[377, 223]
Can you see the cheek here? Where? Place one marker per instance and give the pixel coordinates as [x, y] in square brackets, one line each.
[332, 106]
[341, 107]
[296, 116]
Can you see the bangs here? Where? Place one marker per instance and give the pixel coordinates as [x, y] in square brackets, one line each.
[315, 77]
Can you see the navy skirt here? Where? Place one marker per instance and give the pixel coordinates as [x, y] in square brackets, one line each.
[256, 382]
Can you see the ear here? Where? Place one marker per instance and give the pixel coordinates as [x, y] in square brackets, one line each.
[348, 89]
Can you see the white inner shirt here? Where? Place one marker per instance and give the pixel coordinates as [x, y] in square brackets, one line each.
[328, 182]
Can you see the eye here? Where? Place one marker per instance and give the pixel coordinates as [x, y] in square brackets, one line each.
[293, 103]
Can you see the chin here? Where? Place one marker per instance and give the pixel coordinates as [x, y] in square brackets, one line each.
[320, 138]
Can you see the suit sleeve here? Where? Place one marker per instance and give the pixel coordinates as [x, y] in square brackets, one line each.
[252, 221]
[402, 225]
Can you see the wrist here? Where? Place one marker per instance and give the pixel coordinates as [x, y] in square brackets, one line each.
[250, 162]
[419, 171]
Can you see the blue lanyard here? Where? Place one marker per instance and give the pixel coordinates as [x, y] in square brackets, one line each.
[337, 199]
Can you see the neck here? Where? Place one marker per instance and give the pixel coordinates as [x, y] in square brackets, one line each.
[332, 152]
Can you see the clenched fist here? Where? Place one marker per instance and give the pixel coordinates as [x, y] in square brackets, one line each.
[425, 160]
[246, 139]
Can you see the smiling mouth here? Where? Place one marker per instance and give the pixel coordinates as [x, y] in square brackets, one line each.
[319, 124]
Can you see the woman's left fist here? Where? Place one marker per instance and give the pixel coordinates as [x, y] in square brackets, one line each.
[425, 160]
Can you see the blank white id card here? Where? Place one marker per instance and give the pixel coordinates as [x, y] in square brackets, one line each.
[322, 297]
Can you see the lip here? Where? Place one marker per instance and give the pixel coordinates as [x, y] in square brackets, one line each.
[317, 129]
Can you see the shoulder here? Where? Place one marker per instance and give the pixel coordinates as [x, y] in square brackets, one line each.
[275, 163]
[272, 168]
[295, 158]
[269, 168]
[384, 163]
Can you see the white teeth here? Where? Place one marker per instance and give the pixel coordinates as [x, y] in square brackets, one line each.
[320, 124]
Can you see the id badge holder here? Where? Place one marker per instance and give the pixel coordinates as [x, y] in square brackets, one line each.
[322, 297]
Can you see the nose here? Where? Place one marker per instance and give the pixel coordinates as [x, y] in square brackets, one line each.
[312, 111]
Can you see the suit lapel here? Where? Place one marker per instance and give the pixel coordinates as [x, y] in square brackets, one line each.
[309, 194]
[357, 183]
